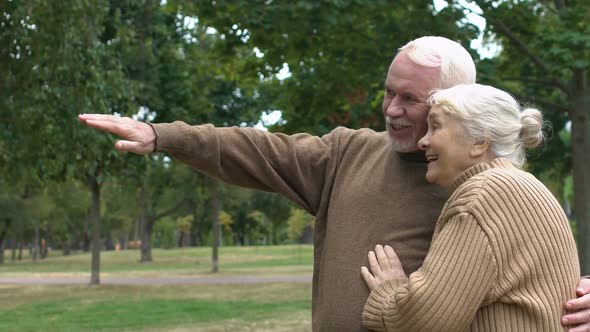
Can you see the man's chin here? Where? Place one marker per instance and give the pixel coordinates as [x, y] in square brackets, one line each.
[403, 146]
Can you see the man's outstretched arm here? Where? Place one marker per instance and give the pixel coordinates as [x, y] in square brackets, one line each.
[579, 316]
[299, 167]
[137, 137]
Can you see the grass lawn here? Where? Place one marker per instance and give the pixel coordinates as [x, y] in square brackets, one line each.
[261, 260]
[239, 307]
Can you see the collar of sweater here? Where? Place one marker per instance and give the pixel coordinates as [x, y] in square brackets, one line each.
[478, 168]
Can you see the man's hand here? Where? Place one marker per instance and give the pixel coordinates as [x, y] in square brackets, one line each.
[384, 264]
[579, 318]
[137, 137]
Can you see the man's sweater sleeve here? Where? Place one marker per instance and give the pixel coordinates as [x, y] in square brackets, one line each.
[445, 293]
[299, 166]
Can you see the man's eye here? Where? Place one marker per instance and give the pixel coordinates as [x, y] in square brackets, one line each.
[409, 99]
[390, 93]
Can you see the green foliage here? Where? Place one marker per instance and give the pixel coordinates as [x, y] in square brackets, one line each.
[11, 205]
[298, 222]
[73, 72]
[338, 52]
[568, 190]
[70, 205]
[226, 221]
[164, 235]
[109, 56]
[260, 231]
[277, 208]
[184, 224]
[119, 207]
[558, 38]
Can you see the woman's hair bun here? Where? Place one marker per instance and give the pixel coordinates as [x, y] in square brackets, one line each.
[531, 132]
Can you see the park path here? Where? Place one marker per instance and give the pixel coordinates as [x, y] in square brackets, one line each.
[154, 280]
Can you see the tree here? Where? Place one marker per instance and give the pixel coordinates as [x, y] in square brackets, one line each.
[120, 209]
[277, 209]
[157, 199]
[299, 224]
[67, 67]
[184, 225]
[337, 52]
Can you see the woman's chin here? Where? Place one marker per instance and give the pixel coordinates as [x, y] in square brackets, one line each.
[431, 178]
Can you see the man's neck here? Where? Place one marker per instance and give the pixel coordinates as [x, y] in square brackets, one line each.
[417, 156]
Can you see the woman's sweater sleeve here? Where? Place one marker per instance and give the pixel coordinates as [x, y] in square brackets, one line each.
[445, 293]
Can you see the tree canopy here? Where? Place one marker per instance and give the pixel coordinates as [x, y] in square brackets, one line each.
[219, 62]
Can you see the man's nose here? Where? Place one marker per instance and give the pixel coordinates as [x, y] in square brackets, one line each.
[394, 109]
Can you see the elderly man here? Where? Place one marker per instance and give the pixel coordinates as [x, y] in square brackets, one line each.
[363, 187]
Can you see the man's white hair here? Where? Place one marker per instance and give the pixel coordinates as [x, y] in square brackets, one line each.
[456, 64]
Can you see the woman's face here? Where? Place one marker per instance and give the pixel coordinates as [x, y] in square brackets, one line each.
[447, 147]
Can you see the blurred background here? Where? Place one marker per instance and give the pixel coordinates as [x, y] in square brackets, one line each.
[285, 66]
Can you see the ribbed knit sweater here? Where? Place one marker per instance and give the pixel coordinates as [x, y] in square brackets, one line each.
[503, 258]
[360, 191]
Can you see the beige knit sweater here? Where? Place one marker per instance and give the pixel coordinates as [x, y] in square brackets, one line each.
[503, 258]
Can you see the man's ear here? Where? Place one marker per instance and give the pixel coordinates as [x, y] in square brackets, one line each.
[480, 149]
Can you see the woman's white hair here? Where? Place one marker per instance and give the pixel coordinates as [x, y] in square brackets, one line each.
[491, 114]
[456, 64]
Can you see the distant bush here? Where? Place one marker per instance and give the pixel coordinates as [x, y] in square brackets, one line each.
[164, 235]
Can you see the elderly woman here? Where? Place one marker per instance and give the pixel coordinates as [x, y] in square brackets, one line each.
[503, 257]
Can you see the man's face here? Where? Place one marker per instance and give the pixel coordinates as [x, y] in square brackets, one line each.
[407, 88]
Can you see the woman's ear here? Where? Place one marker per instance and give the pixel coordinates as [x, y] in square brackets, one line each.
[479, 149]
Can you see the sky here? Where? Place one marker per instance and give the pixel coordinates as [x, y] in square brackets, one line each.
[486, 51]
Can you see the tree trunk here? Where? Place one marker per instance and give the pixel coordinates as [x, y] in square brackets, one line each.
[184, 240]
[126, 241]
[146, 239]
[196, 226]
[273, 233]
[95, 218]
[3, 235]
[147, 226]
[86, 236]
[581, 160]
[67, 248]
[20, 251]
[215, 210]
[44, 250]
[138, 225]
[2, 238]
[35, 246]
[180, 239]
[14, 246]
